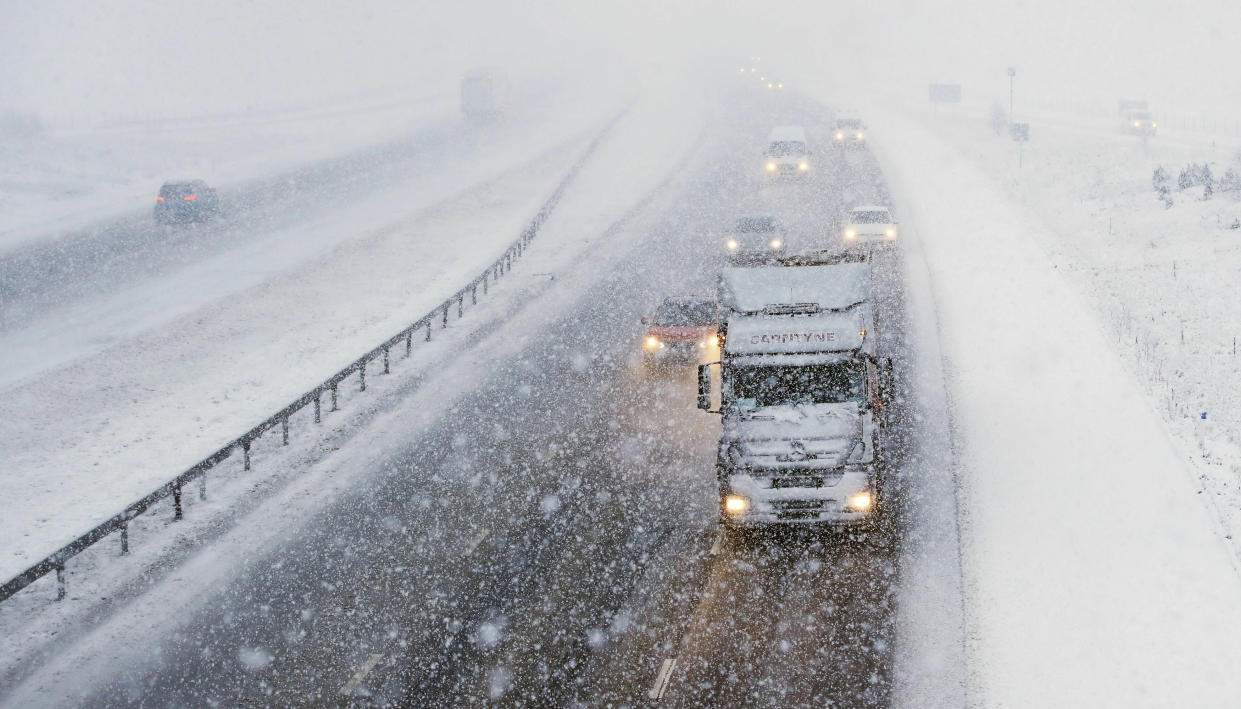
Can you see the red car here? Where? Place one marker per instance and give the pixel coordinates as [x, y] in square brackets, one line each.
[684, 327]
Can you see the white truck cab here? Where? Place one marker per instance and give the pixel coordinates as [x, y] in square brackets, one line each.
[788, 154]
[801, 391]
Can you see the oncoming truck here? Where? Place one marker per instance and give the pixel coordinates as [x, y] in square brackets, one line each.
[802, 391]
[484, 92]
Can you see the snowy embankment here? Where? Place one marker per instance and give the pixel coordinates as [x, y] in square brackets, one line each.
[56, 179]
[1094, 573]
[1158, 276]
[586, 239]
[196, 357]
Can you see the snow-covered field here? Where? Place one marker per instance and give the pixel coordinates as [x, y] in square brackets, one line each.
[54, 178]
[1095, 571]
[583, 241]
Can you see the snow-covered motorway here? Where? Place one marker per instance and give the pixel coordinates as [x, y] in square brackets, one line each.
[550, 538]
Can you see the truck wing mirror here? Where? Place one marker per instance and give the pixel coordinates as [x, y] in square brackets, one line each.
[704, 387]
[644, 320]
[885, 379]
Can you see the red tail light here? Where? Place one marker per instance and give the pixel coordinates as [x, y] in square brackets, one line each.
[190, 197]
[159, 199]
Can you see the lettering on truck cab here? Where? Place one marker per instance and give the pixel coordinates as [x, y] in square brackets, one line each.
[795, 338]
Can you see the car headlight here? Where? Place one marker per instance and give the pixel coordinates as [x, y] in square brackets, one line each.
[803, 166]
[890, 233]
[859, 136]
[1154, 124]
[736, 504]
[776, 243]
[713, 341]
[861, 502]
[771, 167]
[732, 244]
[850, 234]
[840, 135]
[653, 343]
[1137, 124]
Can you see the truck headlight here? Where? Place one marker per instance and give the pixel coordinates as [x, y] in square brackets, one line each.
[890, 233]
[1154, 124]
[732, 245]
[840, 135]
[850, 234]
[713, 341]
[736, 504]
[776, 243]
[1137, 124]
[653, 343]
[861, 502]
[771, 167]
[859, 136]
[803, 166]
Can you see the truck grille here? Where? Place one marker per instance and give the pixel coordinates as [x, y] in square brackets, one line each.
[798, 509]
[797, 481]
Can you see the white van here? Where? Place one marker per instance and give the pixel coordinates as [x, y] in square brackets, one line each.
[787, 152]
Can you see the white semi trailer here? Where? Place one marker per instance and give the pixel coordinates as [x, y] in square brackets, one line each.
[484, 92]
[802, 396]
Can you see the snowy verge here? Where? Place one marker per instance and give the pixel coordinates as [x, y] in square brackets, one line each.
[1093, 572]
[47, 661]
[83, 440]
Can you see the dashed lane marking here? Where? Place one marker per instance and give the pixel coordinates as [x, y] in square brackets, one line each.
[478, 539]
[719, 542]
[361, 674]
[663, 679]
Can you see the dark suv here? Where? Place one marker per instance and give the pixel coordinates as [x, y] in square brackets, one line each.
[189, 201]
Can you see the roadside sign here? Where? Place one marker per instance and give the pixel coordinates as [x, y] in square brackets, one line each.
[1019, 132]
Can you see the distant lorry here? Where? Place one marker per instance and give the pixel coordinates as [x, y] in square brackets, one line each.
[802, 395]
[1135, 117]
[484, 92]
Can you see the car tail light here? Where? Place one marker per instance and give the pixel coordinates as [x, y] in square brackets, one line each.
[159, 199]
[190, 197]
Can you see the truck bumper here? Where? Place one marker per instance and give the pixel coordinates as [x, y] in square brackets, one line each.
[831, 505]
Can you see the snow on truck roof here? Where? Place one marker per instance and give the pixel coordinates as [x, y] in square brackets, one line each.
[772, 289]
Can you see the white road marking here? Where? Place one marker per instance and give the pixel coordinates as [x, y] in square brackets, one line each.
[719, 542]
[361, 674]
[478, 539]
[663, 679]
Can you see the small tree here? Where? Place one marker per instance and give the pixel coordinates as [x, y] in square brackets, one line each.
[1185, 180]
[1161, 180]
[1230, 183]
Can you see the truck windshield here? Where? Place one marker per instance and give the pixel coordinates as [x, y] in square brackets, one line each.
[786, 148]
[812, 384]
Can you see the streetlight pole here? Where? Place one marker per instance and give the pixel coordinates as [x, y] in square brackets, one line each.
[1012, 74]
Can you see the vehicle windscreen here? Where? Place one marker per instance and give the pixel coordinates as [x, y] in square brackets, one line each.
[686, 313]
[833, 383]
[746, 225]
[849, 123]
[871, 217]
[176, 190]
[786, 148]
[1140, 116]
